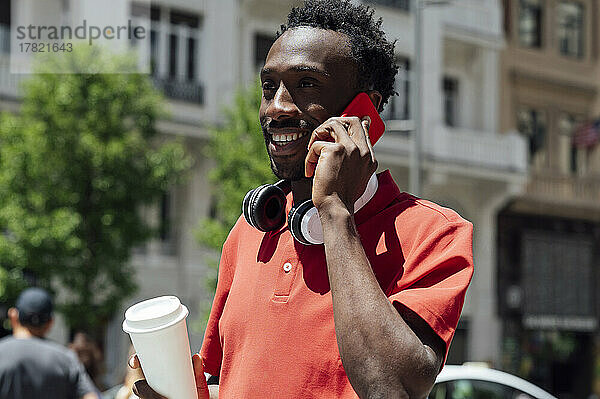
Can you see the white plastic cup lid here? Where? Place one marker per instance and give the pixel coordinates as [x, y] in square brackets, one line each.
[154, 314]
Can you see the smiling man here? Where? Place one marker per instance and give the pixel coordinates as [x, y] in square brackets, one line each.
[372, 311]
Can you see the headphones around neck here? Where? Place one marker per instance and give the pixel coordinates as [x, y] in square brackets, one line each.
[264, 209]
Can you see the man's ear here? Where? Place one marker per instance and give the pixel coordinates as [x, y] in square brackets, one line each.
[13, 314]
[375, 97]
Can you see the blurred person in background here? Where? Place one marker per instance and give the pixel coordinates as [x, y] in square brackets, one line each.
[33, 367]
[89, 355]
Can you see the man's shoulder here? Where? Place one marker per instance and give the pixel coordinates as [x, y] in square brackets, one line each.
[5, 341]
[408, 207]
[416, 217]
[58, 350]
[38, 346]
[430, 210]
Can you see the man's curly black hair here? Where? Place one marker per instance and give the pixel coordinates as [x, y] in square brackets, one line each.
[374, 55]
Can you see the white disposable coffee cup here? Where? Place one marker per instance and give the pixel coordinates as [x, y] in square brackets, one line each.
[159, 335]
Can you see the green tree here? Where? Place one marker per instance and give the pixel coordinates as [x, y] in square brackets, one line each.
[241, 164]
[76, 166]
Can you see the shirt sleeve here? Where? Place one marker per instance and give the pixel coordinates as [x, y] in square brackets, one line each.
[436, 275]
[211, 351]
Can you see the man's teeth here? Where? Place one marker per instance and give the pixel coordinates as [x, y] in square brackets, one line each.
[282, 139]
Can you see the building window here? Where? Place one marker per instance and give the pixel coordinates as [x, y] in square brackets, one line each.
[175, 53]
[532, 124]
[568, 154]
[569, 21]
[5, 12]
[530, 23]
[507, 17]
[262, 45]
[185, 35]
[5, 26]
[450, 101]
[398, 107]
[401, 4]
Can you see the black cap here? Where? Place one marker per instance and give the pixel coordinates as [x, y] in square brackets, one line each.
[34, 306]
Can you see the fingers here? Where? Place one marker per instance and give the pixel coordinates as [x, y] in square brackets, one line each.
[135, 365]
[332, 133]
[344, 130]
[143, 390]
[366, 122]
[349, 132]
[333, 129]
[201, 386]
[198, 367]
[363, 141]
[314, 152]
[134, 361]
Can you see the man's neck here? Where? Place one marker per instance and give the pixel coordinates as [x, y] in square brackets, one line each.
[301, 190]
[21, 332]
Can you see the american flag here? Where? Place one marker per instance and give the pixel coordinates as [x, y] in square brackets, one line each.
[587, 135]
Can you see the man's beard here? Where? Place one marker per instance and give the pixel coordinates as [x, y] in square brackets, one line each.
[289, 170]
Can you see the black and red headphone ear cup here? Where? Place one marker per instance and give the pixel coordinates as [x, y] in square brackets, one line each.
[246, 206]
[264, 207]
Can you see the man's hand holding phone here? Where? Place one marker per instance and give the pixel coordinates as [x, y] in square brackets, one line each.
[340, 153]
[341, 159]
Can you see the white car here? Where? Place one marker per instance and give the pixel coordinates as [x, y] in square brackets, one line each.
[476, 382]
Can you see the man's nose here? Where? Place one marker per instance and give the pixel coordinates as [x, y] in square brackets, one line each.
[282, 106]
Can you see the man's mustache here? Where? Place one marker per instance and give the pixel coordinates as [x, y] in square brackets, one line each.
[287, 123]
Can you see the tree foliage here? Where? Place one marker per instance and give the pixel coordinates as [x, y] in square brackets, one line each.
[241, 164]
[76, 166]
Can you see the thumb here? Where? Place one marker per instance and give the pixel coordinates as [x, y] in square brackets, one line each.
[201, 386]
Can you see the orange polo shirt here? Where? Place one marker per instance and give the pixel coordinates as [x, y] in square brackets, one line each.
[270, 333]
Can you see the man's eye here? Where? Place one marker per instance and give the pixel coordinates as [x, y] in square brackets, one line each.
[306, 83]
[268, 85]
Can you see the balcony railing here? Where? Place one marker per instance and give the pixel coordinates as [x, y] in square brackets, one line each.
[471, 149]
[503, 152]
[183, 90]
[565, 188]
[401, 4]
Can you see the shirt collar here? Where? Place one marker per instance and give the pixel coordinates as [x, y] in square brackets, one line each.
[387, 191]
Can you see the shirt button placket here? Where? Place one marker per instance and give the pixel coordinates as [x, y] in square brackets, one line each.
[285, 280]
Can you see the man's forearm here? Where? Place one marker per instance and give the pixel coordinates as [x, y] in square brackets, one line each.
[381, 354]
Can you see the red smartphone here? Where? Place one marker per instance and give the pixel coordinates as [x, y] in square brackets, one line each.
[362, 106]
